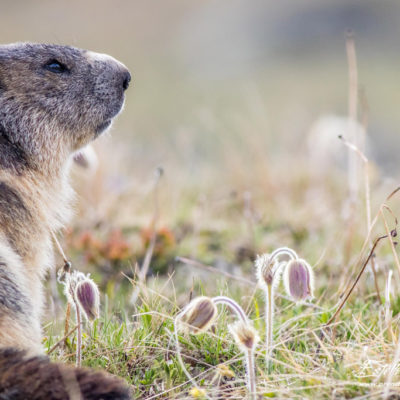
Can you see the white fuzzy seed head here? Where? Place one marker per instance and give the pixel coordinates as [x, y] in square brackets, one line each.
[267, 271]
[70, 281]
[246, 337]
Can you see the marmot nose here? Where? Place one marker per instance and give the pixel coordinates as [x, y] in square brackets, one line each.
[126, 78]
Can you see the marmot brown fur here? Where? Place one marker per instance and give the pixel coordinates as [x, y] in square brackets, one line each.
[53, 100]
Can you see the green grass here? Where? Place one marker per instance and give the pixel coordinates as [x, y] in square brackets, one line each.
[136, 341]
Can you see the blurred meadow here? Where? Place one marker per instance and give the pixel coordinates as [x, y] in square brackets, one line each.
[227, 148]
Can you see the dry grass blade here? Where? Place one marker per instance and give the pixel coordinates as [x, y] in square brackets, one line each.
[343, 302]
[63, 339]
[365, 161]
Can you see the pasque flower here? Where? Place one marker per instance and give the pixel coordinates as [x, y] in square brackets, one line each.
[83, 295]
[199, 315]
[88, 298]
[298, 278]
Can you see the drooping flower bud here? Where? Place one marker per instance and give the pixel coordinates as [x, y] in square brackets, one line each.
[245, 335]
[299, 279]
[198, 315]
[88, 298]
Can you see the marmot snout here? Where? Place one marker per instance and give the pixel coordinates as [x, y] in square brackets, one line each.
[57, 96]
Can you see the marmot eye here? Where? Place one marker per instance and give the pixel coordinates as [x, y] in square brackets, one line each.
[56, 67]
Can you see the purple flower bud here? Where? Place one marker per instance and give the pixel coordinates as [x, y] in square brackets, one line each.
[88, 298]
[198, 315]
[299, 280]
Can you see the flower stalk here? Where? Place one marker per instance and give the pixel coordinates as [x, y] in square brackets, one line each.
[79, 337]
[195, 312]
[82, 294]
[199, 315]
[269, 323]
[298, 283]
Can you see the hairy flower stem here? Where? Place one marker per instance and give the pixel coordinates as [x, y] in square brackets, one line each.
[251, 374]
[244, 334]
[248, 352]
[269, 269]
[79, 336]
[283, 251]
[179, 355]
[235, 307]
[269, 312]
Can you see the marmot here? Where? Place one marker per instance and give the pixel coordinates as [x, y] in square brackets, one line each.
[53, 100]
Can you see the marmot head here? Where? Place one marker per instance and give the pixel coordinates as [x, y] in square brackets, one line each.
[56, 98]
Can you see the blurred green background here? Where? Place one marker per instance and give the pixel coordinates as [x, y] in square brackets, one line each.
[210, 72]
[225, 92]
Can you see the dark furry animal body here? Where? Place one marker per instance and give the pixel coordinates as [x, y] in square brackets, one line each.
[35, 378]
[53, 100]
